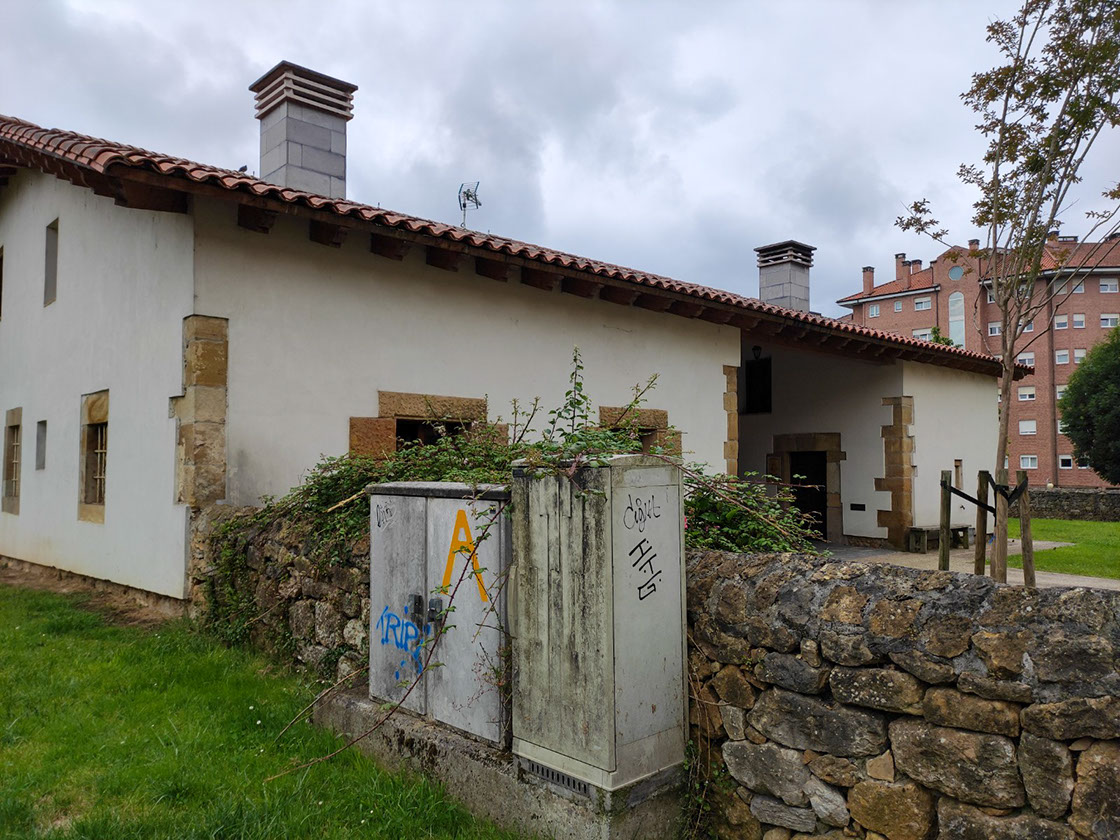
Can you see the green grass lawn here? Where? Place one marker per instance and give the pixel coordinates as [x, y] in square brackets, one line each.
[1096, 553]
[117, 732]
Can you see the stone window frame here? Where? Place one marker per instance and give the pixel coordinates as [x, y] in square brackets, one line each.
[377, 436]
[95, 415]
[778, 466]
[653, 426]
[13, 460]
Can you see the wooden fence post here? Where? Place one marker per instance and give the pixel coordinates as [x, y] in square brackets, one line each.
[1026, 541]
[946, 535]
[981, 522]
[999, 549]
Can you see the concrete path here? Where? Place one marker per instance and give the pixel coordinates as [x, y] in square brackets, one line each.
[961, 560]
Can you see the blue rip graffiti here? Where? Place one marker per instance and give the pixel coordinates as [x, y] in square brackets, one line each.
[400, 633]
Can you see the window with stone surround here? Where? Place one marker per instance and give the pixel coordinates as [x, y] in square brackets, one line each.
[412, 418]
[94, 463]
[652, 425]
[13, 439]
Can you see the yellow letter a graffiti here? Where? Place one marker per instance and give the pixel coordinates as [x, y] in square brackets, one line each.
[463, 543]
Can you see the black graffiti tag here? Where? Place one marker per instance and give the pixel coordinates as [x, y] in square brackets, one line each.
[639, 513]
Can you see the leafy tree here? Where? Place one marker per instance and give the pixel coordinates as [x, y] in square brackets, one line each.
[936, 337]
[1041, 111]
[1091, 408]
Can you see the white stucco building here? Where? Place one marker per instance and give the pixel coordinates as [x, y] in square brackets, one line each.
[173, 335]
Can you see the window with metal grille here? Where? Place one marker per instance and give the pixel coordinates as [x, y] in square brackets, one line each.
[97, 448]
[11, 461]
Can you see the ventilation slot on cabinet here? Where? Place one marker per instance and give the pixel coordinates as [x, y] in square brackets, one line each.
[557, 778]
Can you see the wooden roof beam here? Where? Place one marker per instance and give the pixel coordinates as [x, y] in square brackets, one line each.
[149, 197]
[579, 286]
[494, 269]
[442, 258]
[616, 294]
[655, 303]
[324, 233]
[686, 308]
[255, 219]
[543, 280]
[389, 247]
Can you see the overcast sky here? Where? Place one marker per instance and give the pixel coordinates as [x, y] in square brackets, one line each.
[670, 137]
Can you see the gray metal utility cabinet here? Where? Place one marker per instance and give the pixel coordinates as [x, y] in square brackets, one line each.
[597, 613]
[423, 538]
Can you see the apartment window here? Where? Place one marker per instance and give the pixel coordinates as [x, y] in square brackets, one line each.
[921, 304]
[1065, 462]
[1026, 393]
[1028, 427]
[50, 275]
[93, 467]
[956, 317]
[1079, 289]
[1078, 322]
[1028, 462]
[13, 427]
[1061, 427]
[1029, 327]
[1108, 321]
[1005, 462]
[1025, 358]
[898, 306]
[994, 328]
[41, 445]
[872, 310]
[1110, 287]
[1078, 356]
[991, 297]
[1061, 322]
[924, 335]
[1083, 463]
[1061, 357]
[1059, 392]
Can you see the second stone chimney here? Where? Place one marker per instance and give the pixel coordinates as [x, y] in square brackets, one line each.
[868, 279]
[783, 274]
[303, 117]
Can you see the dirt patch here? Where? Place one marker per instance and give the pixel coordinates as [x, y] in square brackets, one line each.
[120, 604]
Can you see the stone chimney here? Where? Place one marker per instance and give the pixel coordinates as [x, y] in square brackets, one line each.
[868, 279]
[974, 244]
[915, 266]
[303, 118]
[783, 274]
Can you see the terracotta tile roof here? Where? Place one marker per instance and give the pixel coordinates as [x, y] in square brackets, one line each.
[917, 283]
[74, 156]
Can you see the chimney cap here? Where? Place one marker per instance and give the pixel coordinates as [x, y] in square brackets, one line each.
[288, 81]
[789, 251]
[869, 268]
[900, 256]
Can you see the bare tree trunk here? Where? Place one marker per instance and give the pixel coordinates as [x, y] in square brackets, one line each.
[981, 522]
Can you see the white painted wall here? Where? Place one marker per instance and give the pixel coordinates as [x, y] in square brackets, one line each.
[823, 393]
[954, 417]
[124, 286]
[315, 332]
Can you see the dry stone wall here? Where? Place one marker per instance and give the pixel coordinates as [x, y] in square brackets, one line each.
[842, 699]
[315, 614]
[1068, 503]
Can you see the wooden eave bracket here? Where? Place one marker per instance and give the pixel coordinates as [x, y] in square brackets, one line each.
[544, 280]
[716, 316]
[494, 269]
[389, 247]
[6, 172]
[255, 219]
[686, 308]
[619, 295]
[654, 303]
[442, 258]
[579, 286]
[142, 196]
[325, 233]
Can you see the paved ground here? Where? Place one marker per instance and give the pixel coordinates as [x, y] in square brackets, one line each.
[961, 560]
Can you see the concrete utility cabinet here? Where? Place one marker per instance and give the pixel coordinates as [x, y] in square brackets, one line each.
[597, 612]
[422, 537]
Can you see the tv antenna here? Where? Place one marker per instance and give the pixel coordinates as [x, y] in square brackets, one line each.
[468, 197]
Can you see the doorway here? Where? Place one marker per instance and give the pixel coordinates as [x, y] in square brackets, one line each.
[809, 477]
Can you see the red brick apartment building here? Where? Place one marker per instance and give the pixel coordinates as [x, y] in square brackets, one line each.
[949, 294]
